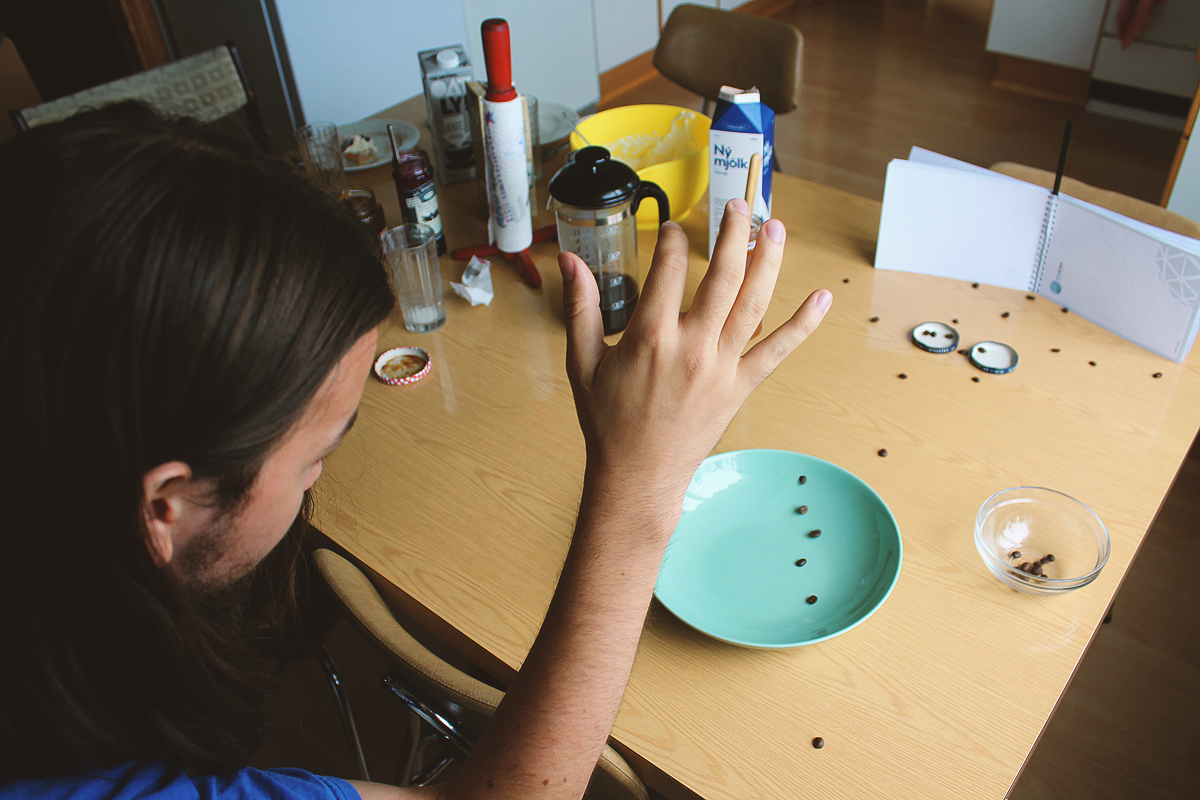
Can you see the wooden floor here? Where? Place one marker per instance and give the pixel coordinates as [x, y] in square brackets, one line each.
[880, 76]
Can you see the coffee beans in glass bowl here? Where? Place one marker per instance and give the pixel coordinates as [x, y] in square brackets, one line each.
[1040, 541]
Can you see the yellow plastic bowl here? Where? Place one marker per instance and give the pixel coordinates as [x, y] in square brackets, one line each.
[630, 133]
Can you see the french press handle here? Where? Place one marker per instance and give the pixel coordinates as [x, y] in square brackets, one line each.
[648, 189]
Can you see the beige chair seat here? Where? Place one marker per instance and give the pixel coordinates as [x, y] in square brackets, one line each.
[1113, 201]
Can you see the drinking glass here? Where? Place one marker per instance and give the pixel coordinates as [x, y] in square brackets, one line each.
[322, 153]
[411, 251]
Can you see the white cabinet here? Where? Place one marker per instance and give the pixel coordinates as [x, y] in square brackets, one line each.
[1163, 57]
[1062, 32]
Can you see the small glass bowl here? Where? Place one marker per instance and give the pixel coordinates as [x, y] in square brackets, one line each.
[1045, 532]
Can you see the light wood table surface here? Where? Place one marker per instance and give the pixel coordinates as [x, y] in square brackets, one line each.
[461, 491]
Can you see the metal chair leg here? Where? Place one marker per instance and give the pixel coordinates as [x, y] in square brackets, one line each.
[343, 703]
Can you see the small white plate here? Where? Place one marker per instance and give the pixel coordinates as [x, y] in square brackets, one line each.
[553, 123]
[407, 137]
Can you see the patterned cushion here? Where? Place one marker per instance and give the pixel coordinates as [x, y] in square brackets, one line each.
[205, 86]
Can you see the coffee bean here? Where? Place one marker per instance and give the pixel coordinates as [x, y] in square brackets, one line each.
[874, 319]
[845, 280]
[1015, 554]
[1037, 570]
[814, 534]
[802, 510]
[903, 376]
[802, 562]
[981, 349]
[1156, 375]
[975, 379]
[974, 285]
[954, 321]
[1030, 297]
[812, 598]
[962, 352]
[1050, 556]
[1093, 363]
[1055, 349]
[883, 453]
[818, 742]
[803, 479]
[1066, 310]
[1005, 315]
[949, 335]
[1025, 566]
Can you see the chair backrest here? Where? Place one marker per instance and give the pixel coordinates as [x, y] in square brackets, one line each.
[1131, 207]
[207, 86]
[703, 49]
[460, 695]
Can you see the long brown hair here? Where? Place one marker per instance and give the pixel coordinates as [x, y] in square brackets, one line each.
[163, 296]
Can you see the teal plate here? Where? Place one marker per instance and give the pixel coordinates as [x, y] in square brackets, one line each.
[731, 569]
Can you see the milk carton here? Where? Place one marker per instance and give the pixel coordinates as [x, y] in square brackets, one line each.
[741, 127]
[445, 71]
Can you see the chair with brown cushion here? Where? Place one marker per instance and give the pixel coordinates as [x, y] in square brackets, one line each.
[449, 708]
[210, 86]
[1114, 201]
[703, 49]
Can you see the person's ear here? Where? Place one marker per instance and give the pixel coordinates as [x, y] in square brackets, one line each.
[165, 503]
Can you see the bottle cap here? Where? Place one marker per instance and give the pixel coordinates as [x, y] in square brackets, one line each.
[994, 357]
[403, 365]
[447, 59]
[935, 337]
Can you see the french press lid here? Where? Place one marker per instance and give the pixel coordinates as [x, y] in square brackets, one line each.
[594, 180]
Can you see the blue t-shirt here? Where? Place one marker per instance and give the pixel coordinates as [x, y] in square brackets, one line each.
[160, 782]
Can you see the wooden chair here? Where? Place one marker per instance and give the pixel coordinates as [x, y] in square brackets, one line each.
[1113, 201]
[703, 49]
[209, 86]
[449, 708]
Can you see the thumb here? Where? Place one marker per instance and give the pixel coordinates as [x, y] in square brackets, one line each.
[585, 330]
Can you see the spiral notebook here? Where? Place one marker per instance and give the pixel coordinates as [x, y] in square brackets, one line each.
[949, 218]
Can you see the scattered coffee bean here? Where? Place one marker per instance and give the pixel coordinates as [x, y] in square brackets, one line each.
[1015, 554]
[874, 319]
[802, 562]
[903, 376]
[1093, 363]
[954, 321]
[845, 280]
[1066, 310]
[1055, 349]
[974, 285]
[1156, 375]
[981, 349]
[883, 453]
[802, 510]
[815, 534]
[949, 335]
[975, 379]
[803, 479]
[1005, 315]
[818, 742]
[1030, 297]
[812, 598]
[962, 352]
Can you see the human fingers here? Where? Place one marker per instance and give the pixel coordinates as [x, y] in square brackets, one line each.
[757, 287]
[762, 359]
[585, 328]
[726, 270]
[662, 293]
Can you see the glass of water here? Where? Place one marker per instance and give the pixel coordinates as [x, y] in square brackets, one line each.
[411, 250]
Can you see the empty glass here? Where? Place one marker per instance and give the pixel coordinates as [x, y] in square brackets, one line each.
[411, 250]
[322, 153]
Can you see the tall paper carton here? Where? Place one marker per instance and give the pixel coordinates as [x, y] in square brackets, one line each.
[446, 71]
[741, 127]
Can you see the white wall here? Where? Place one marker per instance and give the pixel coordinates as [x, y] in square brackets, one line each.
[624, 29]
[352, 58]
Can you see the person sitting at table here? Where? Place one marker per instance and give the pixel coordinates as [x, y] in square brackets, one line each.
[188, 328]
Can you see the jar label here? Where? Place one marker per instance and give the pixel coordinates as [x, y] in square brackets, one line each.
[423, 207]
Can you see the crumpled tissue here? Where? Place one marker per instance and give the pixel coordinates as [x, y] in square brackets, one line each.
[476, 286]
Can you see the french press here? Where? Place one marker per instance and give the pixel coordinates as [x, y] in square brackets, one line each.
[595, 201]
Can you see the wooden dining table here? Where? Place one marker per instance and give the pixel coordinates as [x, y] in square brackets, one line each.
[460, 492]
